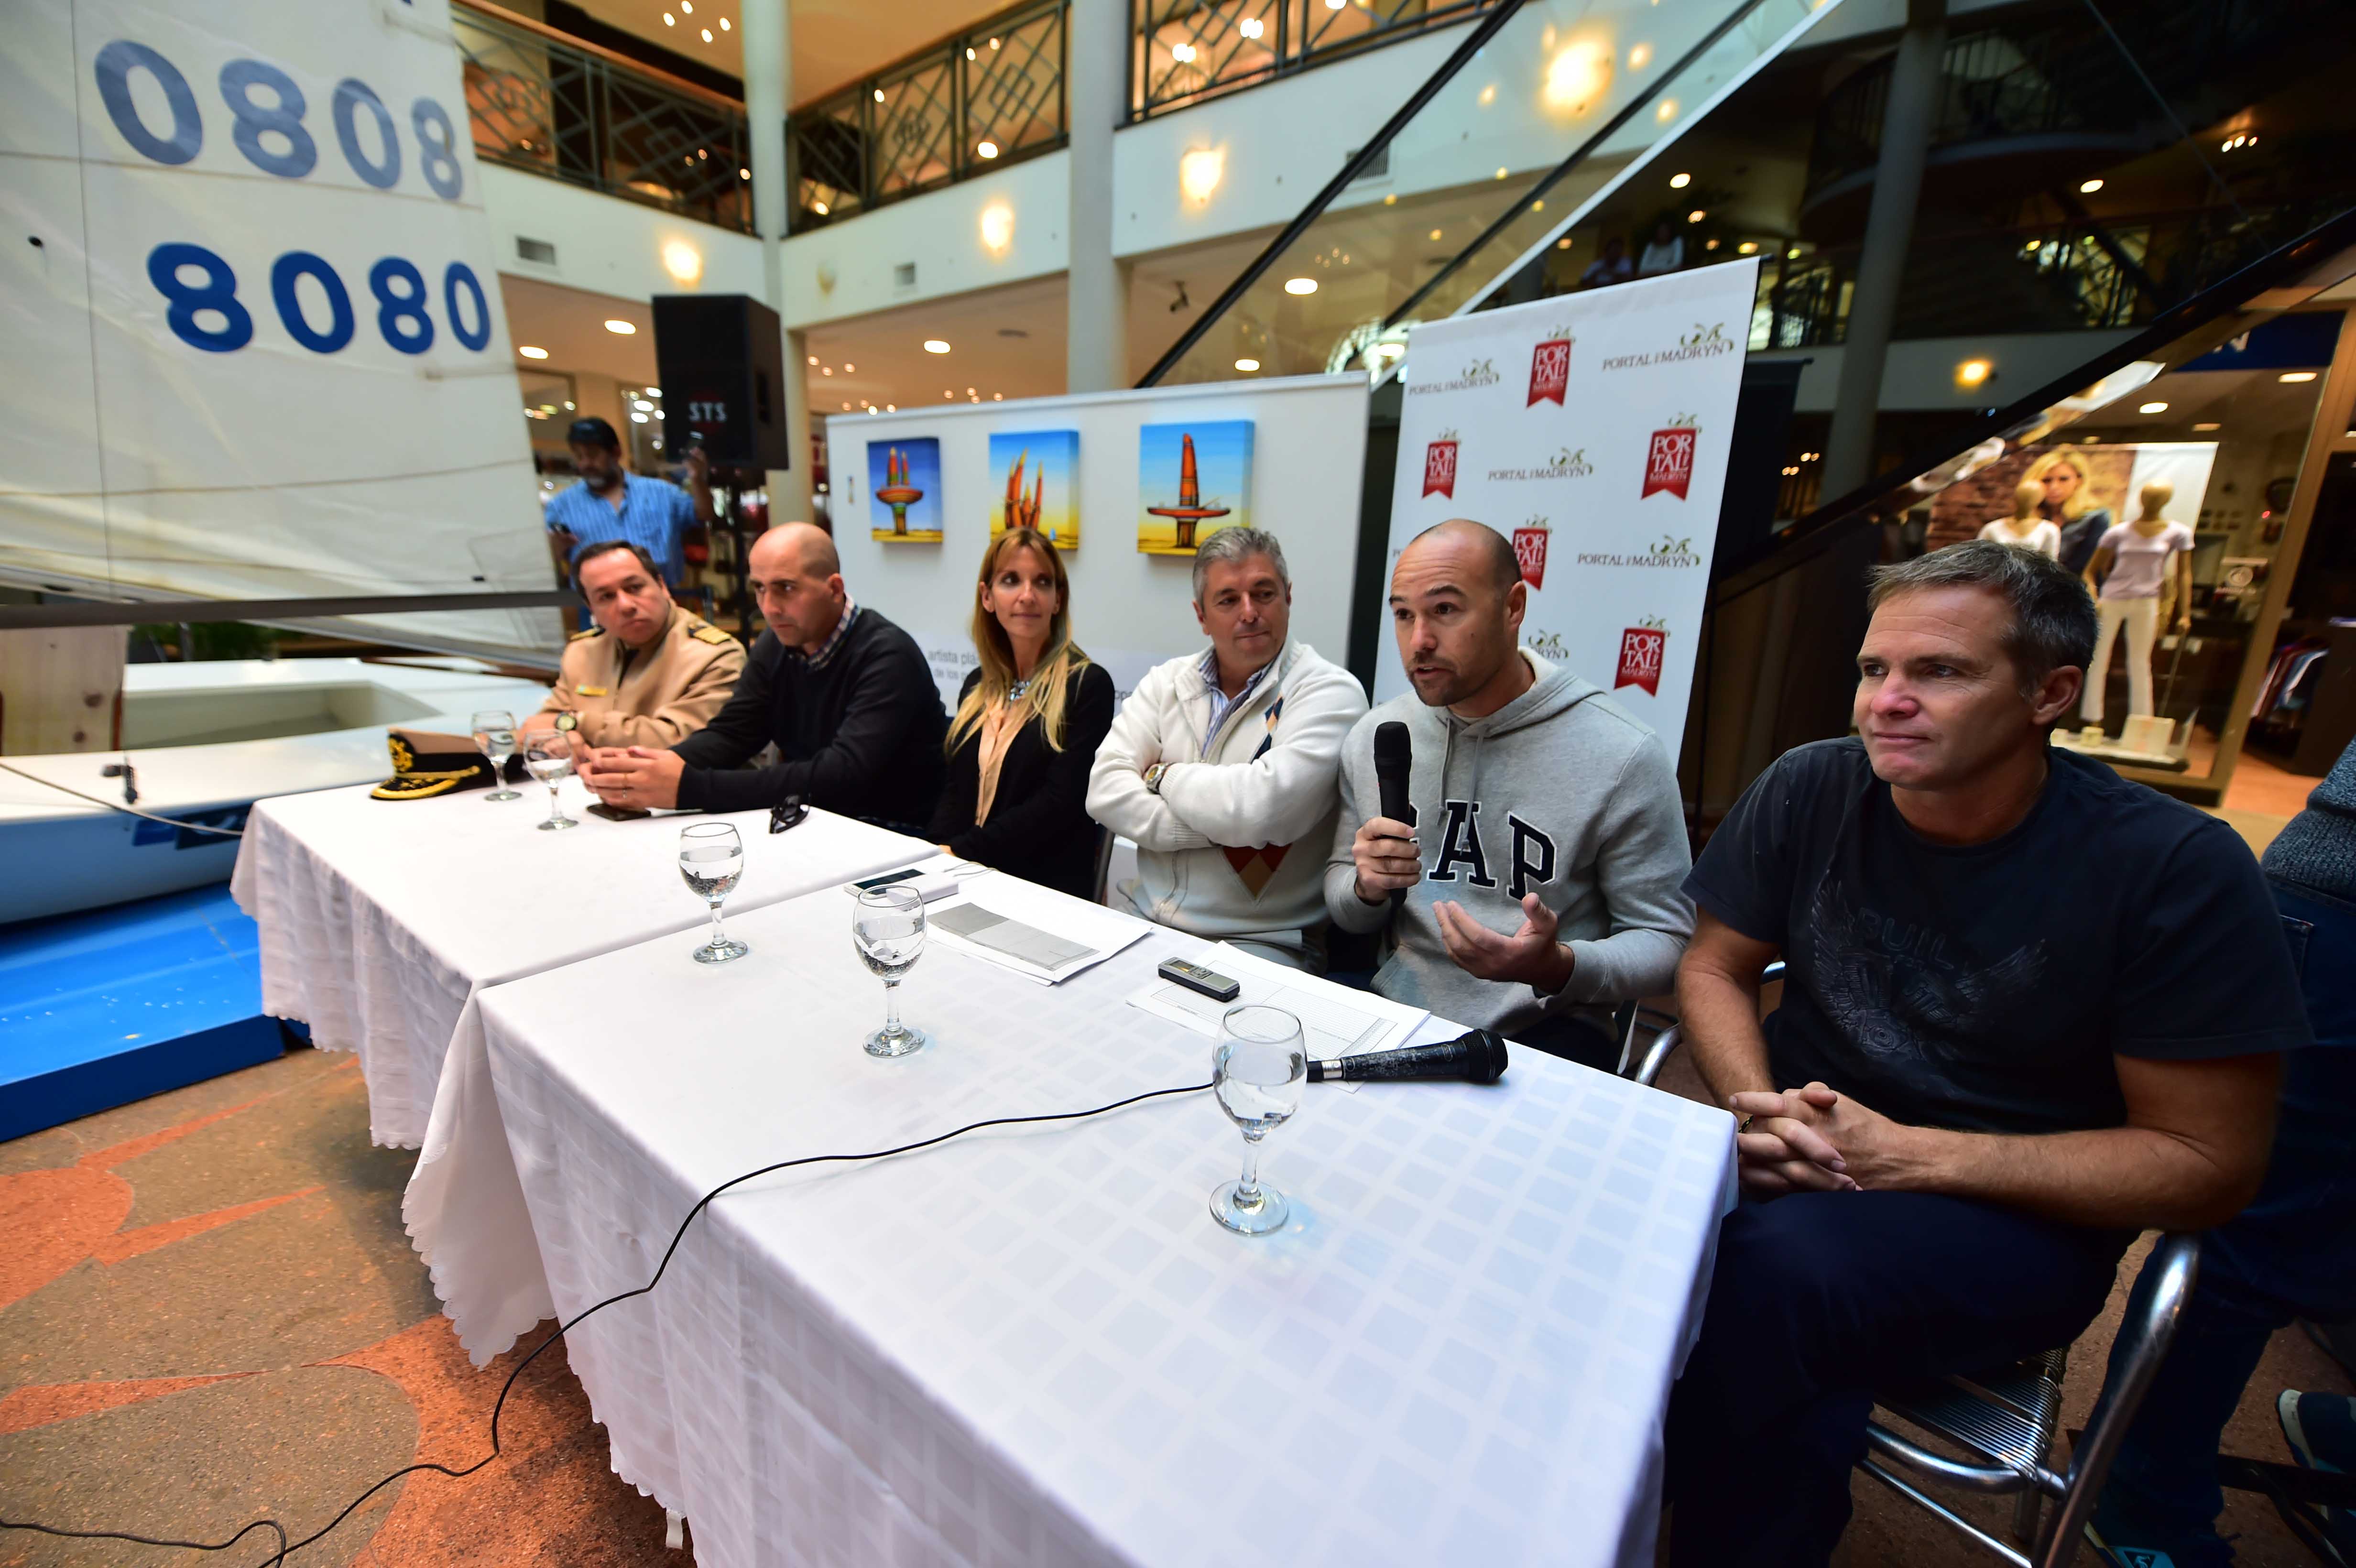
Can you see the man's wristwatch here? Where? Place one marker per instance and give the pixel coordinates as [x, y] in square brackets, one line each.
[568, 722]
[1153, 777]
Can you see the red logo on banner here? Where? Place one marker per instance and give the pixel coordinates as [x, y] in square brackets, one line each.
[1669, 461]
[1641, 648]
[1440, 469]
[1530, 551]
[1549, 371]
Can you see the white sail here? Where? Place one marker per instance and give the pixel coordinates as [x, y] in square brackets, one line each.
[251, 344]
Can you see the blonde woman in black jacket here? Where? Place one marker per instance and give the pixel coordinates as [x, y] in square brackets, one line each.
[1027, 726]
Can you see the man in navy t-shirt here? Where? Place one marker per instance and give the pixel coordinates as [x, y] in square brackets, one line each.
[2030, 1010]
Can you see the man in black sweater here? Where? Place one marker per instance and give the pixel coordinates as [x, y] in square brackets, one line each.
[845, 695]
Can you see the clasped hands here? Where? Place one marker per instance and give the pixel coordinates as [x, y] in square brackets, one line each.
[1814, 1139]
[638, 778]
[1387, 860]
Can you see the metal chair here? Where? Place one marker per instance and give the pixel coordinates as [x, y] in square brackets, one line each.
[2009, 1416]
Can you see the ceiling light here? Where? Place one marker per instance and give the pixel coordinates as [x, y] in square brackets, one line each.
[2153, 409]
[1679, 182]
[1488, 95]
[826, 369]
[2298, 376]
[1246, 366]
[643, 406]
[1335, 5]
[744, 174]
[879, 95]
[891, 408]
[530, 353]
[1666, 112]
[997, 226]
[936, 346]
[723, 24]
[654, 391]
[1973, 373]
[638, 419]
[813, 358]
[2088, 187]
[1640, 56]
[707, 34]
[847, 367]
[968, 51]
[1390, 199]
[997, 397]
[621, 328]
[1696, 216]
[683, 261]
[818, 208]
[1501, 173]
[569, 409]
[987, 149]
[669, 21]
[846, 408]
[1200, 169]
[1435, 234]
[687, 7]
[1309, 286]
[1577, 75]
[1182, 53]
[2210, 424]
[994, 43]
[1251, 26]
[969, 392]
[1563, 243]
[1748, 248]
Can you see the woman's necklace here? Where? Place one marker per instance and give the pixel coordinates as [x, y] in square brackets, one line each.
[1015, 693]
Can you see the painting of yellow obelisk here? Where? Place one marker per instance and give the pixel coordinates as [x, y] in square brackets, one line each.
[1038, 483]
[1192, 480]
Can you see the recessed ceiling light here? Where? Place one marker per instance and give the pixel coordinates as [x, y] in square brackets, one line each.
[1696, 216]
[2208, 424]
[1563, 243]
[1679, 182]
[813, 358]
[936, 346]
[1973, 373]
[997, 397]
[826, 369]
[1182, 53]
[891, 408]
[2152, 408]
[987, 149]
[1251, 26]
[638, 419]
[669, 21]
[654, 391]
[1501, 173]
[1309, 286]
[1435, 234]
[2088, 187]
[817, 206]
[1640, 56]
[723, 24]
[707, 34]
[621, 328]
[1748, 248]
[2298, 375]
[1246, 366]
[847, 367]
[969, 392]
[879, 95]
[530, 353]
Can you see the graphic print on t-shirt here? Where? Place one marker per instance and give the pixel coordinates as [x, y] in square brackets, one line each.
[1894, 988]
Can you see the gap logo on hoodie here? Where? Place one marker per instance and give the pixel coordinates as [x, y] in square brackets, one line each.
[1529, 860]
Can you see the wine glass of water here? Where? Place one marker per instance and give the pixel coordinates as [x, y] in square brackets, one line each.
[548, 757]
[887, 926]
[1257, 1073]
[711, 859]
[495, 735]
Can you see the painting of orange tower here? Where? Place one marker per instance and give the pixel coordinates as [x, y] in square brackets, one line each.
[903, 490]
[1211, 464]
[1042, 490]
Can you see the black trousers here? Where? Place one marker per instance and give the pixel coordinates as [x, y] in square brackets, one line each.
[1819, 1299]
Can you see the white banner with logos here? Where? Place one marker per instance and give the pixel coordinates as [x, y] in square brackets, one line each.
[1592, 430]
[254, 345]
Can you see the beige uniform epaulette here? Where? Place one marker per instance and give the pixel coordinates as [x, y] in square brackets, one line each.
[592, 632]
[653, 697]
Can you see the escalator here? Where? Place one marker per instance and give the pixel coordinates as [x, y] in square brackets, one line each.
[2129, 219]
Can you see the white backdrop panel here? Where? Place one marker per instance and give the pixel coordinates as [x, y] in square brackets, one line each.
[1130, 611]
[1593, 428]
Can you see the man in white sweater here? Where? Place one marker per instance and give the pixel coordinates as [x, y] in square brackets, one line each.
[1222, 766]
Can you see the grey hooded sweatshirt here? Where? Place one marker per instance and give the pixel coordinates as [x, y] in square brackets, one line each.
[1561, 791]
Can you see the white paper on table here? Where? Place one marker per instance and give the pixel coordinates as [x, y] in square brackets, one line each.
[1334, 1019]
[1100, 932]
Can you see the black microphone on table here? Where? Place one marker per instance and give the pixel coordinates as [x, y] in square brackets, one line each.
[1478, 1057]
[1394, 760]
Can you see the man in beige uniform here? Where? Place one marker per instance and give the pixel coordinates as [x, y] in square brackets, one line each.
[650, 673]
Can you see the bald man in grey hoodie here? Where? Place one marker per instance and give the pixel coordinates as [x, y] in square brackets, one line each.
[1542, 880]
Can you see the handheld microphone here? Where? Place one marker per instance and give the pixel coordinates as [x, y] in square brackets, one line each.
[1475, 1057]
[1394, 760]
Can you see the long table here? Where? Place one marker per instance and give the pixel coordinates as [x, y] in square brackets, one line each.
[379, 919]
[1032, 1345]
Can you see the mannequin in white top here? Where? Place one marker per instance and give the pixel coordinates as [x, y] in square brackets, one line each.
[2141, 575]
[2027, 527]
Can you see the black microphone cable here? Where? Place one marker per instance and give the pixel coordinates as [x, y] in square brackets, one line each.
[498, 1406]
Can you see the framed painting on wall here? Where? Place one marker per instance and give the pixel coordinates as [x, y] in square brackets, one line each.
[1192, 480]
[903, 490]
[1041, 469]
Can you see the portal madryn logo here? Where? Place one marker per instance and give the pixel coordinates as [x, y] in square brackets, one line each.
[1530, 551]
[1439, 465]
[1704, 342]
[1642, 647]
[1475, 374]
[1550, 369]
[1545, 644]
[1566, 463]
[1670, 552]
[1669, 457]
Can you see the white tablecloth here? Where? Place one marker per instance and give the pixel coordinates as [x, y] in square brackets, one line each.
[1034, 1345]
[380, 918]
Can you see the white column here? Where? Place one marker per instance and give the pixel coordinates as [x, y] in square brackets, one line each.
[1096, 55]
[768, 83]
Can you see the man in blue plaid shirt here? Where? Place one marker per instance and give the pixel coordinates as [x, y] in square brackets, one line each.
[613, 504]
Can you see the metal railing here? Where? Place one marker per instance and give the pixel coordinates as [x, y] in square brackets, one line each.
[2055, 278]
[1184, 51]
[549, 104]
[986, 97]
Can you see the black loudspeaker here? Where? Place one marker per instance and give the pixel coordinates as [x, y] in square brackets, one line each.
[722, 359]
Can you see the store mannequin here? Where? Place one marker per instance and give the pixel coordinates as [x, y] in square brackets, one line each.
[2070, 506]
[2027, 528]
[2141, 573]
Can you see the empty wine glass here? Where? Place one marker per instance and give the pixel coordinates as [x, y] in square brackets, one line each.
[1257, 1073]
[887, 926]
[711, 859]
[548, 757]
[495, 735]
